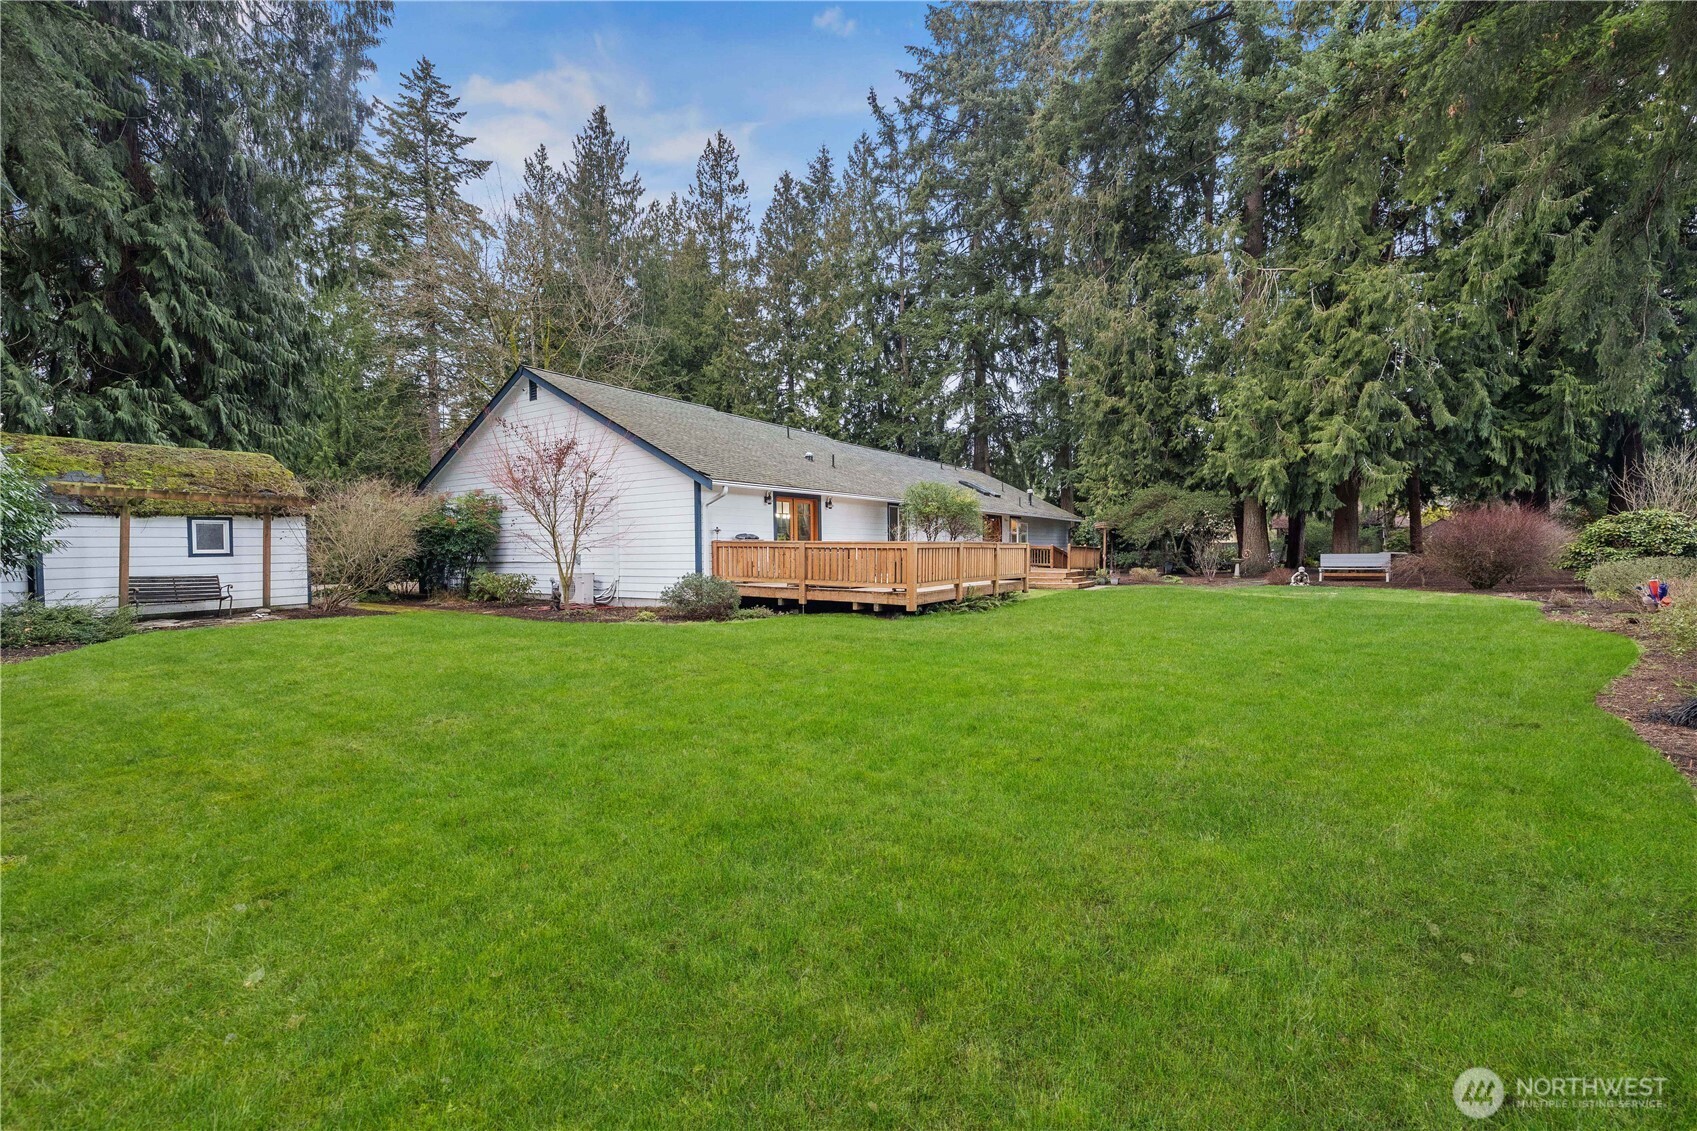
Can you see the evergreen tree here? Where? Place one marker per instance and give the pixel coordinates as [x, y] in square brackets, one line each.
[602, 197]
[972, 106]
[431, 283]
[716, 224]
[159, 166]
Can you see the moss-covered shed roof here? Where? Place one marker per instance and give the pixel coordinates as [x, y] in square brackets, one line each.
[61, 460]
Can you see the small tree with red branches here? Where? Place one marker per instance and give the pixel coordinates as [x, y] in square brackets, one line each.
[563, 483]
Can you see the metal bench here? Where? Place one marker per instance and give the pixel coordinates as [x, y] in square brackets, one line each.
[180, 591]
[1356, 565]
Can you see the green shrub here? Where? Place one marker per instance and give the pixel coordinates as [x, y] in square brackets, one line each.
[1631, 534]
[1618, 579]
[645, 616]
[500, 588]
[455, 536]
[753, 612]
[27, 518]
[701, 596]
[1142, 576]
[1676, 625]
[30, 623]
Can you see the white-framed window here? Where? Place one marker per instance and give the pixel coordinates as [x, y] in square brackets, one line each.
[1021, 532]
[892, 523]
[210, 538]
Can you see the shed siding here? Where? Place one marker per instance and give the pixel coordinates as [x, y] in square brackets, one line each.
[84, 568]
[647, 542]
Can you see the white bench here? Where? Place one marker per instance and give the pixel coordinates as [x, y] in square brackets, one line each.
[1356, 565]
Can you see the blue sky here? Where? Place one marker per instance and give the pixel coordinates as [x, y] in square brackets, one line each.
[780, 79]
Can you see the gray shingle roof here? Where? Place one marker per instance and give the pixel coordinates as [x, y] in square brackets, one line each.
[736, 449]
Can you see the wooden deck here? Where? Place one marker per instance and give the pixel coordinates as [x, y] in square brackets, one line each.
[903, 575]
[1086, 558]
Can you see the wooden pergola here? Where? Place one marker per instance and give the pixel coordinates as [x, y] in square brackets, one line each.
[262, 505]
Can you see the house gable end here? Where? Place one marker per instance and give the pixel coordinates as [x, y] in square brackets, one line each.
[524, 372]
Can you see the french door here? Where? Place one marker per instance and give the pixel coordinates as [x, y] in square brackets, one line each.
[795, 518]
[992, 528]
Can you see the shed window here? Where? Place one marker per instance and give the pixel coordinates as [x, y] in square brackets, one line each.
[533, 390]
[209, 537]
[892, 523]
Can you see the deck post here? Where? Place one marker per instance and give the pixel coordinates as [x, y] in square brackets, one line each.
[913, 577]
[265, 564]
[960, 579]
[123, 554]
[801, 575]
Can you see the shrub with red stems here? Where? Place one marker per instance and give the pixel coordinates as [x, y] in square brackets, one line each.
[1489, 545]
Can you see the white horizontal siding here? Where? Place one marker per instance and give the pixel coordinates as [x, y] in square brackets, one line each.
[84, 569]
[647, 542]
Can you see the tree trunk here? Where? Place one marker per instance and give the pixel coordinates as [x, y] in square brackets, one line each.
[1253, 547]
[1416, 504]
[1346, 520]
[1063, 451]
[1294, 532]
[1626, 463]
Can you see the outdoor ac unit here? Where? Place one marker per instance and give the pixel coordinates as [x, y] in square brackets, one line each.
[583, 588]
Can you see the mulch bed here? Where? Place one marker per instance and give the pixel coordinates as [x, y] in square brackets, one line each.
[1658, 680]
[14, 655]
[310, 613]
[586, 614]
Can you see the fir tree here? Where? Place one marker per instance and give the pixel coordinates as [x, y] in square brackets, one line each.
[160, 161]
[431, 283]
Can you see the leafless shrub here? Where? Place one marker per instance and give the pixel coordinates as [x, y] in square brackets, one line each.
[1488, 545]
[1664, 480]
[359, 536]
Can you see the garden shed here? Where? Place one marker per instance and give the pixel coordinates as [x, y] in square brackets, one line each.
[141, 521]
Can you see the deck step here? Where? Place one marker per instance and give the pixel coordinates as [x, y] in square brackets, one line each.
[1043, 577]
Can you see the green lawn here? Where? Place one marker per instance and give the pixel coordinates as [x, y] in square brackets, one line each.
[1145, 857]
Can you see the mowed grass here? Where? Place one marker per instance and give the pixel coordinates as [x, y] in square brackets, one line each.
[1142, 857]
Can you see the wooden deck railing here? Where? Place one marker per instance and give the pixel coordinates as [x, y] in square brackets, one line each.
[908, 574]
[1065, 557]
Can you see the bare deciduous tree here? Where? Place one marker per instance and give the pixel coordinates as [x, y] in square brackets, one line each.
[542, 301]
[562, 482]
[358, 536]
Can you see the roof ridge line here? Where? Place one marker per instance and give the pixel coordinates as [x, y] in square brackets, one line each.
[546, 373]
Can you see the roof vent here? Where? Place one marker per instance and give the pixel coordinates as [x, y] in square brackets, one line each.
[808, 456]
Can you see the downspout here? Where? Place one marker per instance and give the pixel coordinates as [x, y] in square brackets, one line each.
[700, 522]
[698, 528]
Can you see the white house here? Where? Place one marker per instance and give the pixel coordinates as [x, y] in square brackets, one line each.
[688, 475]
[144, 523]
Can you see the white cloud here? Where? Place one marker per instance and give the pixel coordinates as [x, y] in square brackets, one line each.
[832, 20]
[510, 118]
